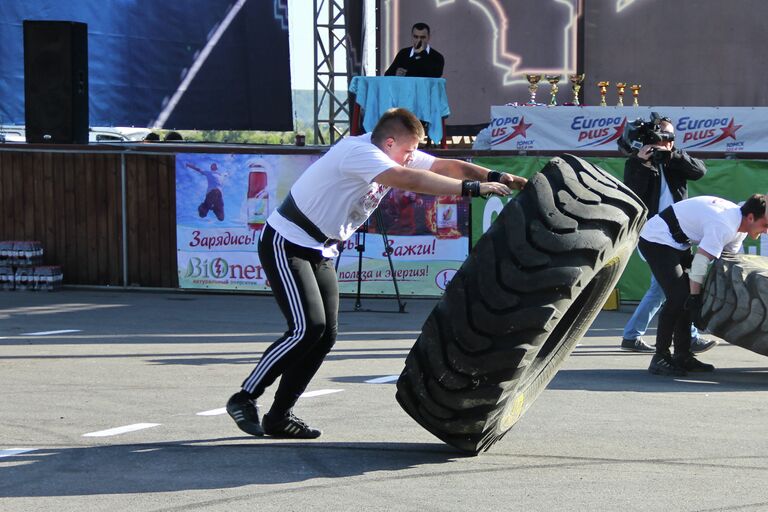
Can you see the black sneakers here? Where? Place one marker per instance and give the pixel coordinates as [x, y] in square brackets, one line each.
[289, 427]
[242, 409]
[637, 345]
[664, 364]
[691, 364]
[699, 345]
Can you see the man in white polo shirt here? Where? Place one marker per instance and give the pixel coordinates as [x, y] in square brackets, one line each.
[713, 224]
[325, 206]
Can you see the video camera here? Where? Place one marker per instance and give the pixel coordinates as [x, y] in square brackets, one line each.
[640, 133]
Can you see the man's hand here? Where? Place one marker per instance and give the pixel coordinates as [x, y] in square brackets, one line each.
[646, 152]
[512, 181]
[495, 189]
[401, 72]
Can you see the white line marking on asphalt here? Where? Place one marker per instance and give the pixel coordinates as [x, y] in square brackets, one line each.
[213, 412]
[10, 452]
[309, 394]
[382, 380]
[121, 430]
[690, 381]
[46, 333]
[319, 392]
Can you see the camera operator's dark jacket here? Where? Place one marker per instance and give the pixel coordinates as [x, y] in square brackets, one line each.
[646, 181]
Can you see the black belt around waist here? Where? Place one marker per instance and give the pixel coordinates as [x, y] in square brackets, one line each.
[290, 211]
[668, 215]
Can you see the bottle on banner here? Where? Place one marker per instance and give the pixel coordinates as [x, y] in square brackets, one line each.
[258, 200]
[447, 213]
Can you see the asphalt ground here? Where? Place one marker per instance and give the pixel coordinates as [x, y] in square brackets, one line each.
[124, 412]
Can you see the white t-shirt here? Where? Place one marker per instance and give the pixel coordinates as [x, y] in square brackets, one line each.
[710, 222]
[337, 192]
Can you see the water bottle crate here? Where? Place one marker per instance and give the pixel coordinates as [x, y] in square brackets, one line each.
[21, 253]
[39, 278]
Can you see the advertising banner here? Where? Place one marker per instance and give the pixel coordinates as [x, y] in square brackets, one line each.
[223, 201]
[569, 128]
[734, 180]
[428, 238]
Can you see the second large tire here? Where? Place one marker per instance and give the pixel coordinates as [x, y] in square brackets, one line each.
[514, 311]
[735, 304]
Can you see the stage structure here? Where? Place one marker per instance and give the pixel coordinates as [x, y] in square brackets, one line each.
[331, 108]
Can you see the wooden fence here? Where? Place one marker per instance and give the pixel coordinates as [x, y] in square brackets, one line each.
[76, 203]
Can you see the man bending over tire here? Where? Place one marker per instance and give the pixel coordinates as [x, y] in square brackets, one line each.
[715, 225]
[325, 206]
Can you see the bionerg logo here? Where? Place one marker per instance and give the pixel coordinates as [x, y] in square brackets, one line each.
[699, 133]
[597, 131]
[505, 129]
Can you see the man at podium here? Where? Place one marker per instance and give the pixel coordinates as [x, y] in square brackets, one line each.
[419, 59]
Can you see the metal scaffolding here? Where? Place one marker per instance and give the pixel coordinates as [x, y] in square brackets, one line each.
[331, 107]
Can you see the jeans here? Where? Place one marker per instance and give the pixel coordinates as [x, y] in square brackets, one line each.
[646, 310]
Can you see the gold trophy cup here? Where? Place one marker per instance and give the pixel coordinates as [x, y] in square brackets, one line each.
[635, 93]
[553, 79]
[620, 90]
[603, 85]
[576, 81]
[533, 84]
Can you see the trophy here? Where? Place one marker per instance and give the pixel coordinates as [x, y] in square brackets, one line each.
[603, 90]
[635, 93]
[620, 90]
[576, 81]
[533, 84]
[553, 79]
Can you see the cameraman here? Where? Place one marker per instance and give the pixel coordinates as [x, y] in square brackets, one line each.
[658, 173]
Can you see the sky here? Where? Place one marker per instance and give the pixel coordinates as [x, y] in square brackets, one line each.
[301, 34]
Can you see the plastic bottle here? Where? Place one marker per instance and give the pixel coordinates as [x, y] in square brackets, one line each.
[447, 213]
[258, 199]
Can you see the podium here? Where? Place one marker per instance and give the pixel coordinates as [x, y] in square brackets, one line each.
[425, 97]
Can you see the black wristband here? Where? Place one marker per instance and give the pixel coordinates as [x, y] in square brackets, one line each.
[494, 176]
[470, 188]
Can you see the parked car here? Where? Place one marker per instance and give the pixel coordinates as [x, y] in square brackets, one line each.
[15, 134]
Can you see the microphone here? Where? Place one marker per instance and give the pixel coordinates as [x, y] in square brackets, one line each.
[418, 45]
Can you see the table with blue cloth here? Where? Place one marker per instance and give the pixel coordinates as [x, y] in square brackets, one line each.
[425, 97]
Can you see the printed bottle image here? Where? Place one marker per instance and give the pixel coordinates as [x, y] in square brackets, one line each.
[258, 199]
[447, 213]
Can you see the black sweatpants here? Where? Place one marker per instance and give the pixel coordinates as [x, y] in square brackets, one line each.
[306, 289]
[667, 265]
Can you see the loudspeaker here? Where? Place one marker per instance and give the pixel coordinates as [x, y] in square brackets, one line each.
[56, 82]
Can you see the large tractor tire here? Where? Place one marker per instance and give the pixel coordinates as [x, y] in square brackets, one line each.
[514, 311]
[735, 305]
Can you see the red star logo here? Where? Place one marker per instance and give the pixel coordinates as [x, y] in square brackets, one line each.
[728, 131]
[520, 128]
[619, 131]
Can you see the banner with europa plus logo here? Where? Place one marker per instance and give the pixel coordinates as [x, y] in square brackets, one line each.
[573, 128]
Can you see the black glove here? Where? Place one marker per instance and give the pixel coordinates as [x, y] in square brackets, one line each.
[693, 305]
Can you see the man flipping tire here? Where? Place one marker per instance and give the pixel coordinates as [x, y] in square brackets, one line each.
[715, 225]
[325, 206]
